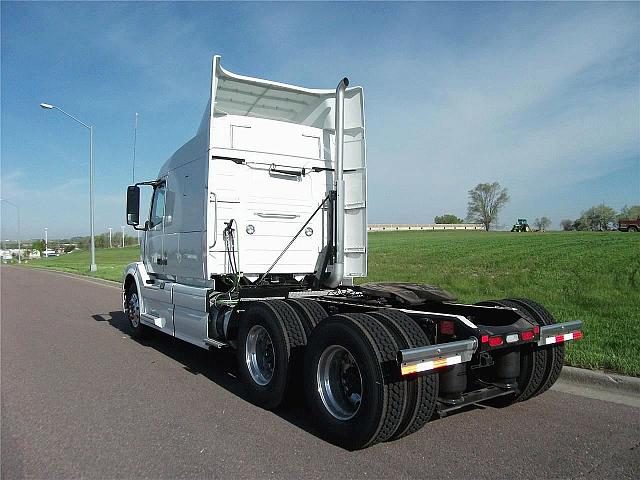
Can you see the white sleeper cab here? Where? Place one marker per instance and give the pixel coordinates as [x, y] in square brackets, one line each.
[255, 233]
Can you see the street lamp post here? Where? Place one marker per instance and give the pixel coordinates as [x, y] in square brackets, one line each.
[93, 267]
[122, 226]
[46, 243]
[18, 210]
[110, 230]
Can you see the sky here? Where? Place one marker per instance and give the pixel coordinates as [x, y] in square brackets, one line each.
[541, 97]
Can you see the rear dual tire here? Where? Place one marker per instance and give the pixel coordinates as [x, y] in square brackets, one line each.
[351, 377]
[349, 381]
[554, 354]
[422, 389]
[540, 367]
[270, 342]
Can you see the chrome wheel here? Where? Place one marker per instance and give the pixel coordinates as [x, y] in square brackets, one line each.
[339, 382]
[259, 355]
[133, 309]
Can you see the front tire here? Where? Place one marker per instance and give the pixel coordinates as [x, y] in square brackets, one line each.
[132, 312]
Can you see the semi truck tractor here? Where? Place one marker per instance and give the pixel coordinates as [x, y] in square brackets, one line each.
[255, 233]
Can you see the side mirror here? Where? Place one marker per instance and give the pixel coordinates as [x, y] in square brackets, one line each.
[133, 205]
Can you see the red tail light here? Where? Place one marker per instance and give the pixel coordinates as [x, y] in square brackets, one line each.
[528, 335]
[495, 341]
[484, 338]
[577, 335]
[536, 330]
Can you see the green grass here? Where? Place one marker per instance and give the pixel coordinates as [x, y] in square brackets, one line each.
[590, 276]
[594, 277]
[110, 261]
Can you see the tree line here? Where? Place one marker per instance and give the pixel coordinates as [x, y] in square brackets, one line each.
[600, 218]
[486, 200]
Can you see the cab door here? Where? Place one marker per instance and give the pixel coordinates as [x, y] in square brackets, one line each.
[157, 295]
[154, 259]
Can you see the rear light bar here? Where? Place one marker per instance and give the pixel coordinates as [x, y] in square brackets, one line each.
[560, 332]
[422, 359]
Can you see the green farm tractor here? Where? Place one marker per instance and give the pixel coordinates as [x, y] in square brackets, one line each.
[521, 226]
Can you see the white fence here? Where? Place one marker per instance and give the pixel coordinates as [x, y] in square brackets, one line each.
[392, 227]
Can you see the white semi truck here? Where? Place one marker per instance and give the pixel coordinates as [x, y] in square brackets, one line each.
[256, 229]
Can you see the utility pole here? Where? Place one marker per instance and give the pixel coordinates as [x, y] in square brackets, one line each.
[110, 230]
[46, 243]
[122, 226]
[47, 106]
[133, 168]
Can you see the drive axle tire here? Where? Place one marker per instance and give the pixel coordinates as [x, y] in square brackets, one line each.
[422, 389]
[270, 336]
[533, 364]
[554, 353]
[132, 312]
[309, 311]
[352, 383]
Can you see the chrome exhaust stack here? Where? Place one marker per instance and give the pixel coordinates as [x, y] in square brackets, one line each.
[337, 273]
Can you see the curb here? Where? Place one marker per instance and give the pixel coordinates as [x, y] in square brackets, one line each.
[601, 380]
[79, 276]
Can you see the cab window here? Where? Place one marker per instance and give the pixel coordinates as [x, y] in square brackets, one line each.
[157, 206]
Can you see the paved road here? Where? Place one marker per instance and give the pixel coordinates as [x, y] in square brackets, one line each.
[82, 399]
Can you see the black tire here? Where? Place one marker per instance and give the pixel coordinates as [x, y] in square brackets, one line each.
[309, 311]
[382, 395]
[132, 312]
[422, 389]
[632, 228]
[554, 353]
[268, 386]
[533, 364]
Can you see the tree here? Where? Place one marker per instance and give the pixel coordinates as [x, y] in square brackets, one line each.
[542, 223]
[38, 245]
[566, 224]
[447, 218]
[598, 217]
[102, 240]
[631, 212]
[485, 202]
[579, 225]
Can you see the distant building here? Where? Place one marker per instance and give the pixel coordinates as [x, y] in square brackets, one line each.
[392, 227]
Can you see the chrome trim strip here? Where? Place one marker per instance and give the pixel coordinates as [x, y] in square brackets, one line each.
[558, 329]
[464, 348]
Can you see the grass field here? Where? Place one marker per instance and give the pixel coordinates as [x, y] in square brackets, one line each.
[594, 277]
[590, 276]
[110, 261]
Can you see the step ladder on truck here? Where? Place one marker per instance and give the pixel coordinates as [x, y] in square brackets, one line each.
[256, 230]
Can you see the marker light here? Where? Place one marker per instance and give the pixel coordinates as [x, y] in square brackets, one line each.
[495, 341]
[528, 335]
[250, 229]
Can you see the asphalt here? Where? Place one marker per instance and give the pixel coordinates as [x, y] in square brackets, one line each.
[80, 398]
